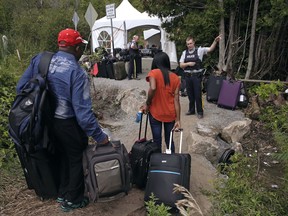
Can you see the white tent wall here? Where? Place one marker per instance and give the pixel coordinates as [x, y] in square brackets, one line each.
[150, 32]
[127, 18]
[154, 40]
[169, 47]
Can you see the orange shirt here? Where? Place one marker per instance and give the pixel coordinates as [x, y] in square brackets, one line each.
[162, 106]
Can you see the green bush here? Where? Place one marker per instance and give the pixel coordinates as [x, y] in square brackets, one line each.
[243, 192]
[265, 90]
[154, 209]
[7, 94]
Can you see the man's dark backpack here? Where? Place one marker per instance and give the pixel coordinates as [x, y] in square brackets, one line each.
[31, 111]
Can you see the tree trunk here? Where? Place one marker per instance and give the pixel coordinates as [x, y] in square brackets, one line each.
[228, 66]
[221, 61]
[252, 40]
[245, 39]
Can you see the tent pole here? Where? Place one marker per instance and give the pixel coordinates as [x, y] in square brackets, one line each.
[113, 50]
[125, 35]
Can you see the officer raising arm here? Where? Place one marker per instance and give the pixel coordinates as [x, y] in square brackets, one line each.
[191, 63]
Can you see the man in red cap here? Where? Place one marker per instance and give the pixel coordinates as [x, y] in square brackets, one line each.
[74, 119]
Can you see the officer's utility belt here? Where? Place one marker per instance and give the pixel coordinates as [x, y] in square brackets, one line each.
[193, 72]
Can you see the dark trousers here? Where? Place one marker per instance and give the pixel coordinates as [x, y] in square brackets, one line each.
[193, 88]
[156, 128]
[134, 66]
[71, 141]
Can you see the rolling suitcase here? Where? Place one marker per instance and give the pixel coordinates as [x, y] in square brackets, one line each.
[119, 70]
[110, 69]
[40, 171]
[229, 94]
[213, 87]
[140, 155]
[107, 171]
[102, 72]
[165, 170]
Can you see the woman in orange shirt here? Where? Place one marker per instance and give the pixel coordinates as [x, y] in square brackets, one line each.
[162, 102]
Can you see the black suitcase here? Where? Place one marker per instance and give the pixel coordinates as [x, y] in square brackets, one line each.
[165, 170]
[214, 84]
[110, 69]
[140, 155]
[102, 72]
[41, 172]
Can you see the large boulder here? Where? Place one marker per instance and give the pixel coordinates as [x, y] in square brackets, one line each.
[206, 146]
[235, 131]
[130, 100]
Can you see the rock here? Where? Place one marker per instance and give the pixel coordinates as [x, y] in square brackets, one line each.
[202, 172]
[206, 146]
[207, 130]
[236, 130]
[131, 100]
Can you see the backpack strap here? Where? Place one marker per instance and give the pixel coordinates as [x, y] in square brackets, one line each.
[44, 63]
[43, 68]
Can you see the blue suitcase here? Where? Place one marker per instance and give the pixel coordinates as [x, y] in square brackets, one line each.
[165, 170]
[229, 94]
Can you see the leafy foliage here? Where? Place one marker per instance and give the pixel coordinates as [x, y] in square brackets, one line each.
[154, 209]
[7, 89]
[201, 19]
[243, 193]
[265, 90]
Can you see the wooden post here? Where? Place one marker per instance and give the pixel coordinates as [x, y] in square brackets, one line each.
[263, 81]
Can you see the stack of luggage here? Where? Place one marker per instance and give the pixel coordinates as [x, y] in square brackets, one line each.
[228, 94]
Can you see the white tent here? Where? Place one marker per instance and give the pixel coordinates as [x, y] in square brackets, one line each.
[152, 37]
[150, 32]
[127, 18]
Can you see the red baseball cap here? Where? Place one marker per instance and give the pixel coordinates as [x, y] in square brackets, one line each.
[70, 37]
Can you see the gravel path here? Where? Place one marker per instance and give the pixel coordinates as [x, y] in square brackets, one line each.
[213, 115]
[202, 174]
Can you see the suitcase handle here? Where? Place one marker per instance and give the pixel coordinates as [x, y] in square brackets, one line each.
[140, 127]
[168, 151]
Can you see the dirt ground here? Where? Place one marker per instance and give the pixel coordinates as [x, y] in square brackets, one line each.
[18, 200]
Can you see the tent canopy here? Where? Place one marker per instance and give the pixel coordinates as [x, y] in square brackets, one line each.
[127, 18]
[150, 32]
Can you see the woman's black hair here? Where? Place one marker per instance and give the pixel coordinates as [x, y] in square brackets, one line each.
[161, 61]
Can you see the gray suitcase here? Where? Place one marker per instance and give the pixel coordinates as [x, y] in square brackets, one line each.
[107, 171]
[119, 70]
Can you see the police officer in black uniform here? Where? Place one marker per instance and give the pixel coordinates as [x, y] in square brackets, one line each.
[135, 59]
[191, 63]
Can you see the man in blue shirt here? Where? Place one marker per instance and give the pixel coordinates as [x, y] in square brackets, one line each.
[74, 119]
